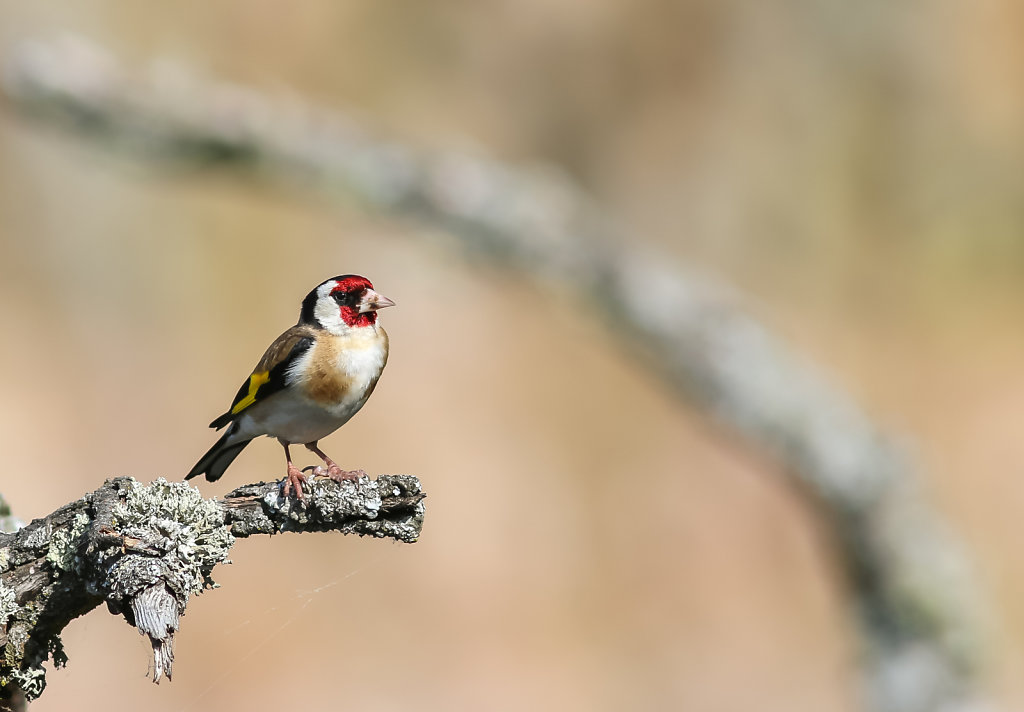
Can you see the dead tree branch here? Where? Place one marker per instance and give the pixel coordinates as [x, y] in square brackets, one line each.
[910, 593]
[145, 549]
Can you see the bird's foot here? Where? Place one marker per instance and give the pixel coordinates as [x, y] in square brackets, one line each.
[337, 474]
[294, 481]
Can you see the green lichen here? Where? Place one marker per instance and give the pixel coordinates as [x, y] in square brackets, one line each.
[65, 543]
[17, 636]
[175, 521]
[27, 672]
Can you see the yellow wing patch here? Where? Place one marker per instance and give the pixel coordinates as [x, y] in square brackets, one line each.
[255, 381]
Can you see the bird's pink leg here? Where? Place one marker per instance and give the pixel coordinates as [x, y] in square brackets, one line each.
[295, 479]
[333, 471]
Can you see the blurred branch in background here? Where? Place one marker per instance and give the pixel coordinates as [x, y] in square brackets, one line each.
[910, 593]
[144, 550]
[8, 522]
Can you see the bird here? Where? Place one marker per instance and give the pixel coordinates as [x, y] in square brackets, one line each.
[312, 379]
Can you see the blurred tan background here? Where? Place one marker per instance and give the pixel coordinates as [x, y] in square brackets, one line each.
[854, 167]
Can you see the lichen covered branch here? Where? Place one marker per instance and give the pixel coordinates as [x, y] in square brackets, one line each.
[145, 549]
[390, 509]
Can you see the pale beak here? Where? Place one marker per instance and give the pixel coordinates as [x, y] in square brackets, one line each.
[372, 301]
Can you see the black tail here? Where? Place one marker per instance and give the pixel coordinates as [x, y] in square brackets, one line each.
[217, 458]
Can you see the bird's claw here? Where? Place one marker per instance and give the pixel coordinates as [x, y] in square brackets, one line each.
[294, 481]
[337, 474]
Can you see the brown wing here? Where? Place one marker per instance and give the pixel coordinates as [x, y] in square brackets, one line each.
[269, 375]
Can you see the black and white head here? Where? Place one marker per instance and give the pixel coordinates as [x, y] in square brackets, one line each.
[343, 303]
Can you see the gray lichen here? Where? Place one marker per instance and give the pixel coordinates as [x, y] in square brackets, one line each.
[37, 537]
[173, 523]
[172, 538]
[65, 543]
[8, 605]
[329, 504]
[390, 506]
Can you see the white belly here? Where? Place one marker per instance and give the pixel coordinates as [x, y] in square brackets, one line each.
[295, 419]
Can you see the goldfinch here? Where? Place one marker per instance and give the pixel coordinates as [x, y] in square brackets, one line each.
[310, 382]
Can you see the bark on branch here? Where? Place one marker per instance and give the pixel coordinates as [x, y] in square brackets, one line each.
[145, 549]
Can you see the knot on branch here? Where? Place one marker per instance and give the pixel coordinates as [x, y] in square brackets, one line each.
[163, 545]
